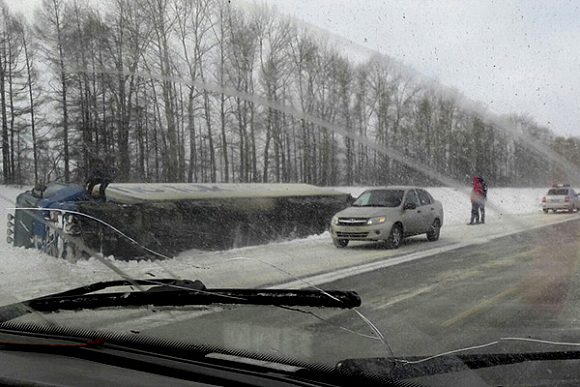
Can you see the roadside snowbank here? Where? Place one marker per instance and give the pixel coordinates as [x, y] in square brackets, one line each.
[500, 201]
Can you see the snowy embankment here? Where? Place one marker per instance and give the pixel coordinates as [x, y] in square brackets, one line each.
[30, 273]
[501, 201]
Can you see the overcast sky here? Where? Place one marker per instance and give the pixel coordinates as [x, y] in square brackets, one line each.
[513, 56]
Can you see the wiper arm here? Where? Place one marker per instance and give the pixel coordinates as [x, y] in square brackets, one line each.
[171, 292]
[415, 366]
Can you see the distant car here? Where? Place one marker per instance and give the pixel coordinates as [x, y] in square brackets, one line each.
[561, 198]
[388, 215]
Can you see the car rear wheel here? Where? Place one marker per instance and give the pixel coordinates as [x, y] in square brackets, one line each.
[396, 237]
[340, 243]
[545, 210]
[434, 231]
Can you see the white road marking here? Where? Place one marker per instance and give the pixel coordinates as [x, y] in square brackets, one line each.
[161, 319]
[319, 279]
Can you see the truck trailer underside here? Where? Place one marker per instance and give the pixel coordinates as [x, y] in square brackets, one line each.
[160, 220]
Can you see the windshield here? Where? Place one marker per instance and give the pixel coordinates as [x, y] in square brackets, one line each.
[255, 145]
[380, 198]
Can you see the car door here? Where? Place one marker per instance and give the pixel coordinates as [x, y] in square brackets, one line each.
[412, 213]
[426, 211]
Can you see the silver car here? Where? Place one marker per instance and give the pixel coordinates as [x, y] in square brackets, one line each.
[561, 197]
[388, 214]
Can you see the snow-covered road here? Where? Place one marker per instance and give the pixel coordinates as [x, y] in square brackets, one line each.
[29, 273]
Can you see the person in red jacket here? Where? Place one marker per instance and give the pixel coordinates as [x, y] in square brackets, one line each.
[478, 196]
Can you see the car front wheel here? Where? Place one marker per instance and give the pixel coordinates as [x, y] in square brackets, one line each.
[340, 243]
[434, 231]
[396, 237]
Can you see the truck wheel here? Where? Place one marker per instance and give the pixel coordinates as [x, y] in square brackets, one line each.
[340, 243]
[545, 210]
[396, 237]
[434, 231]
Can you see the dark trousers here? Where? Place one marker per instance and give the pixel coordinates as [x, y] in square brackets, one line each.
[103, 186]
[476, 210]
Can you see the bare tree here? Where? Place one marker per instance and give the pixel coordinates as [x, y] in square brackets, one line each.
[31, 84]
[51, 27]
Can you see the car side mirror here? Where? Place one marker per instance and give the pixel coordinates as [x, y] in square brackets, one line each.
[409, 206]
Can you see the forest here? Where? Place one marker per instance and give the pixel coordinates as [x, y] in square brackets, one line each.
[205, 91]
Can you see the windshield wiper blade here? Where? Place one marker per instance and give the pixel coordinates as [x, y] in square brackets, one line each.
[171, 292]
[416, 366]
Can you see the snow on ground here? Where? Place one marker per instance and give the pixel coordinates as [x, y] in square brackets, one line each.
[500, 201]
[29, 273]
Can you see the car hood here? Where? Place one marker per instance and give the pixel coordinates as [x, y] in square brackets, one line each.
[367, 212]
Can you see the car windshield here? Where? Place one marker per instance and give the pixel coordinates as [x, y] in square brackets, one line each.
[254, 145]
[380, 198]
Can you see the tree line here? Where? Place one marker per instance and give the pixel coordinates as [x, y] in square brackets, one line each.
[202, 91]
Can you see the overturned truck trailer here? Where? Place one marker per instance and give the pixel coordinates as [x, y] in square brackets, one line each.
[161, 220]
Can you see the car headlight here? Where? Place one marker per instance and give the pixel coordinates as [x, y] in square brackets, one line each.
[378, 220]
[334, 220]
